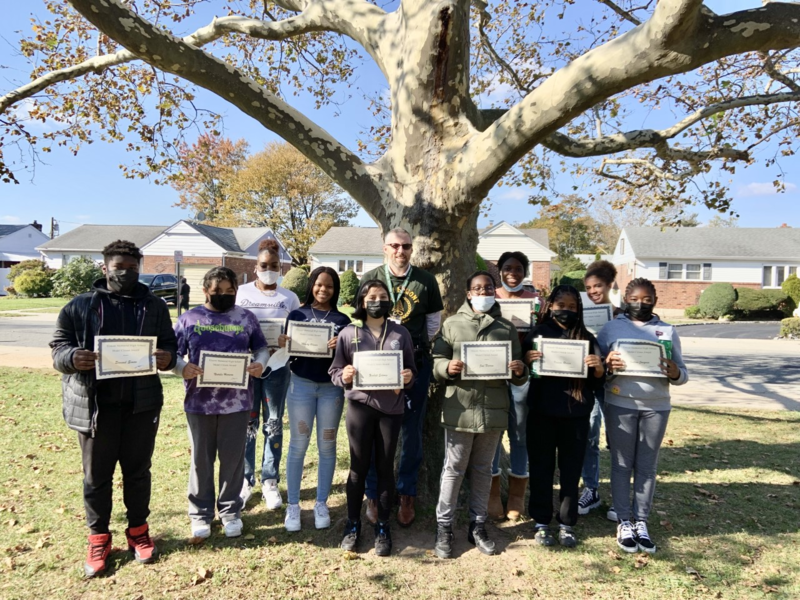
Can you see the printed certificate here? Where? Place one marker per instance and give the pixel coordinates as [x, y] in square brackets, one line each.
[272, 328]
[562, 358]
[378, 370]
[309, 339]
[518, 311]
[224, 369]
[486, 360]
[597, 315]
[641, 358]
[125, 356]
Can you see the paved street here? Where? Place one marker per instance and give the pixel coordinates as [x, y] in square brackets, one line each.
[734, 331]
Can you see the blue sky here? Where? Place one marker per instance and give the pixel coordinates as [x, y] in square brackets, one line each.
[90, 188]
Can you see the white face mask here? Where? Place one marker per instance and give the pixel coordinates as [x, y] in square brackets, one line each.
[269, 277]
[482, 303]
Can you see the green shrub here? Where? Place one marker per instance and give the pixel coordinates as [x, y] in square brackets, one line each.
[296, 280]
[790, 328]
[717, 300]
[693, 312]
[770, 304]
[25, 265]
[34, 284]
[348, 288]
[791, 287]
[306, 267]
[575, 279]
[76, 277]
[480, 264]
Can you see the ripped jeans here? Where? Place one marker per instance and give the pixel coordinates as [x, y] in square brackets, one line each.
[307, 400]
[269, 397]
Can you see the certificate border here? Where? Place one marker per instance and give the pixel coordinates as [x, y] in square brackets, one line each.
[273, 320]
[150, 340]
[584, 344]
[201, 379]
[641, 372]
[382, 386]
[609, 308]
[308, 324]
[506, 374]
[529, 301]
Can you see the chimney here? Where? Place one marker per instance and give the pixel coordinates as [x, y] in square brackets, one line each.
[36, 225]
[491, 223]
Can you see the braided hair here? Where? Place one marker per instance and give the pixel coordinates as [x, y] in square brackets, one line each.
[642, 283]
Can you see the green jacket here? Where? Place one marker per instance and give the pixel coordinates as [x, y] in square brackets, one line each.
[475, 405]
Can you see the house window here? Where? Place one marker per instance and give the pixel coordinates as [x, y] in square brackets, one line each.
[622, 246]
[779, 275]
[359, 266]
[766, 280]
[351, 265]
[792, 271]
[693, 271]
[342, 267]
[675, 271]
[706, 271]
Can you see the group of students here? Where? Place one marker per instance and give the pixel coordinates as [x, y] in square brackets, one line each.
[550, 420]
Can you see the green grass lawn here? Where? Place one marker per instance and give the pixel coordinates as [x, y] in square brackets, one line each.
[13, 303]
[726, 522]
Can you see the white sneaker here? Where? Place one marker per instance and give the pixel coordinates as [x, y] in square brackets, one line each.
[292, 520]
[272, 497]
[611, 515]
[322, 518]
[233, 528]
[201, 530]
[246, 493]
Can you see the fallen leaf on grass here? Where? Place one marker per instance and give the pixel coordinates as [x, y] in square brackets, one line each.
[694, 456]
[770, 589]
[694, 573]
[177, 454]
[42, 543]
[667, 525]
[615, 569]
[641, 561]
[348, 555]
[196, 541]
[9, 563]
[273, 540]
[614, 555]
[670, 442]
[11, 522]
[202, 575]
[249, 536]
[746, 559]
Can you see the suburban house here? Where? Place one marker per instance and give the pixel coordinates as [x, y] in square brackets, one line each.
[587, 259]
[18, 243]
[203, 247]
[533, 243]
[682, 262]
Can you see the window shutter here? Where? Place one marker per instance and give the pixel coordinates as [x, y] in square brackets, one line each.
[706, 271]
[662, 270]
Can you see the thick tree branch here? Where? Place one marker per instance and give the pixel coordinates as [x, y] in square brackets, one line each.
[620, 11]
[678, 38]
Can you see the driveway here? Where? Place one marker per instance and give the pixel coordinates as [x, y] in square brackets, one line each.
[731, 331]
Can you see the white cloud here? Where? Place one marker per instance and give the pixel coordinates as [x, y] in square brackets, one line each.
[10, 219]
[763, 189]
[515, 193]
[23, 110]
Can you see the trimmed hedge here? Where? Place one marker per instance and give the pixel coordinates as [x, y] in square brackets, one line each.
[348, 287]
[790, 328]
[575, 279]
[693, 312]
[296, 280]
[34, 284]
[791, 287]
[480, 264]
[771, 304]
[717, 300]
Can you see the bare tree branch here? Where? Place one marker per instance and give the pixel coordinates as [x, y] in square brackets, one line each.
[772, 70]
[620, 11]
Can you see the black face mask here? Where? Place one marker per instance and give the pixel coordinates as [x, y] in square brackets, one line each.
[640, 311]
[378, 308]
[222, 302]
[568, 318]
[122, 281]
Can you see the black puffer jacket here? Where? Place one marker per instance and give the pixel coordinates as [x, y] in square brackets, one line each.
[78, 323]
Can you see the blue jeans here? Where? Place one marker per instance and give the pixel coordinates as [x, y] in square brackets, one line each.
[591, 461]
[411, 452]
[306, 400]
[269, 396]
[517, 426]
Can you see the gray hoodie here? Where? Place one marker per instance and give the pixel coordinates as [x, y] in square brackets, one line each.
[634, 392]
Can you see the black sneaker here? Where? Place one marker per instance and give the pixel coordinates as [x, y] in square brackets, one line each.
[352, 533]
[444, 541]
[588, 501]
[626, 537]
[567, 537]
[383, 539]
[643, 538]
[480, 538]
[543, 536]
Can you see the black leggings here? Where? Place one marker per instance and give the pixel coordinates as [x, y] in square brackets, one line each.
[369, 429]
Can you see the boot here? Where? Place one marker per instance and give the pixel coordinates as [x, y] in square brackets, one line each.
[516, 496]
[495, 508]
[406, 514]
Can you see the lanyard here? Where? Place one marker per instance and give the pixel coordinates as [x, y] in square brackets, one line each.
[403, 288]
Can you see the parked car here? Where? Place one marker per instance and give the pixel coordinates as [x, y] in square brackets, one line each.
[164, 286]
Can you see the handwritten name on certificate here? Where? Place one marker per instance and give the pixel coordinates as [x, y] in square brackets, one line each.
[309, 339]
[378, 370]
[562, 358]
[125, 356]
[518, 311]
[641, 358]
[486, 360]
[224, 369]
[595, 316]
[272, 329]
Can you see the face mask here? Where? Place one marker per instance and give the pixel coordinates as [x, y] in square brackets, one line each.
[269, 277]
[378, 308]
[568, 318]
[640, 311]
[123, 281]
[482, 303]
[222, 302]
[513, 289]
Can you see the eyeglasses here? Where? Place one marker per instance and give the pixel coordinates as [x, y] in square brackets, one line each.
[396, 247]
[478, 289]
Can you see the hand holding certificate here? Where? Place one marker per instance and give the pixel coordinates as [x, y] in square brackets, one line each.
[518, 311]
[378, 370]
[125, 356]
[309, 339]
[486, 360]
[272, 330]
[597, 315]
[639, 357]
[562, 358]
[224, 369]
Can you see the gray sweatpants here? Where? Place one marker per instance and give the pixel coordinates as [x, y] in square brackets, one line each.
[634, 437]
[466, 450]
[212, 436]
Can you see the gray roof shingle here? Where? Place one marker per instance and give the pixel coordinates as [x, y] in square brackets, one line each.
[364, 241]
[93, 238]
[748, 243]
[538, 235]
[9, 229]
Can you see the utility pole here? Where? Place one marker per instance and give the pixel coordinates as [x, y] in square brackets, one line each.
[53, 228]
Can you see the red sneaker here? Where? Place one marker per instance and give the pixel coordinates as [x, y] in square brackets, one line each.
[139, 542]
[97, 556]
